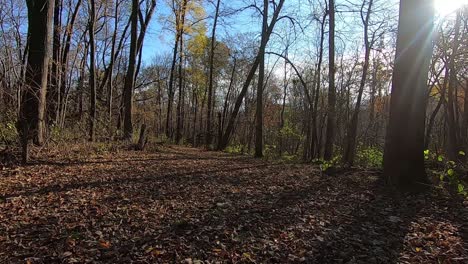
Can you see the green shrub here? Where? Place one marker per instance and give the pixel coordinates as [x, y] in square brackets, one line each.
[235, 149]
[8, 133]
[369, 157]
[447, 172]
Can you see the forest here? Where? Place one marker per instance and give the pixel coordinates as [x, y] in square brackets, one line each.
[247, 131]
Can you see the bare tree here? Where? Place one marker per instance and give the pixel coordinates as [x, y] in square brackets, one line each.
[331, 118]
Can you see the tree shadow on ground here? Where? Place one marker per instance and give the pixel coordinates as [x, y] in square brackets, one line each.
[220, 211]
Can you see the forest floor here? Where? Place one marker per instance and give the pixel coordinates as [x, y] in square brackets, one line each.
[185, 205]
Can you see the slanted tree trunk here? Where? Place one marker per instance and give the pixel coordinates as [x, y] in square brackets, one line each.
[331, 118]
[404, 145]
[64, 64]
[350, 149]
[32, 108]
[142, 140]
[232, 120]
[226, 100]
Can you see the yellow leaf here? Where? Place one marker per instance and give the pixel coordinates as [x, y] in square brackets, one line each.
[157, 252]
[217, 250]
[418, 249]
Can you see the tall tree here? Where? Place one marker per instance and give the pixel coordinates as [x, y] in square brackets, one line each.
[331, 118]
[452, 103]
[55, 71]
[230, 126]
[209, 117]
[350, 149]
[130, 76]
[178, 8]
[32, 111]
[315, 142]
[260, 84]
[179, 118]
[404, 146]
[92, 70]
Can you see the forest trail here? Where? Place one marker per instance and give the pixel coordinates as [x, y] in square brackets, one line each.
[183, 205]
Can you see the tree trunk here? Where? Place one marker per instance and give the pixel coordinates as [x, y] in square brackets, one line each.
[32, 108]
[350, 149]
[331, 118]
[316, 142]
[179, 120]
[260, 84]
[209, 130]
[64, 63]
[404, 146]
[230, 127]
[453, 139]
[130, 76]
[53, 94]
[92, 72]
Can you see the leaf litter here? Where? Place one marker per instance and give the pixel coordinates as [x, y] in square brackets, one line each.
[184, 205]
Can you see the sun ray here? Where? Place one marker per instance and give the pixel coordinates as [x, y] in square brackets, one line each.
[448, 7]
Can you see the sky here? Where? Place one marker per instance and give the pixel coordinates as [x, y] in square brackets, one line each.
[159, 39]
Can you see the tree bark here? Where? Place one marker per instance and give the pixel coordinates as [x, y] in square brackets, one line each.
[130, 76]
[32, 108]
[404, 146]
[209, 129]
[260, 84]
[92, 72]
[179, 118]
[331, 118]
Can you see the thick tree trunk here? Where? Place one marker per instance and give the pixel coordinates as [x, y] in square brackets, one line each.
[130, 76]
[404, 146]
[32, 109]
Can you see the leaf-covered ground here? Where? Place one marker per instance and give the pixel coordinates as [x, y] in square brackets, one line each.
[183, 205]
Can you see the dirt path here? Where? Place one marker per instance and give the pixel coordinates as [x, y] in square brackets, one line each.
[185, 205]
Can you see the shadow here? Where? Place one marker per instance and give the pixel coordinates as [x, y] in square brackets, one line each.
[176, 178]
[234, 211]
[38, 162]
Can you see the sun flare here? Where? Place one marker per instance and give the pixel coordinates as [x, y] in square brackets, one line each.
[447, 7]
